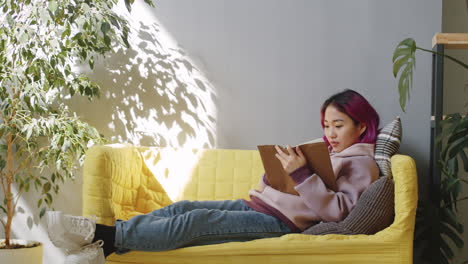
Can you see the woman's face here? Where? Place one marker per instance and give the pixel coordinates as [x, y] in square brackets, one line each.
[340, 130]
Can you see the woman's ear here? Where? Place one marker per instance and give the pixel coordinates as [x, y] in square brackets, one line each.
[362, 128]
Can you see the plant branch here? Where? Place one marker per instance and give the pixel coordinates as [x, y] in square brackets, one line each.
[2, 176]
[456, 201]
[447, 56]
[15, 203]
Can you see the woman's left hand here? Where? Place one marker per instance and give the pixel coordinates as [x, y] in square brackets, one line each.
[292, 160]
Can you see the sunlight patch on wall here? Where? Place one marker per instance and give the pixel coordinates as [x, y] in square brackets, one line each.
[173, 168]
[155, 94]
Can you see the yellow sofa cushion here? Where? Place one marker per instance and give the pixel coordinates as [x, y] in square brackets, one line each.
[122, 181]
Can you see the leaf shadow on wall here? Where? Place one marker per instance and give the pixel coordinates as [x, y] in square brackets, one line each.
[152, 95]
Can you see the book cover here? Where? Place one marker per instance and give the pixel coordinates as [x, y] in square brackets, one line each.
[317, 158]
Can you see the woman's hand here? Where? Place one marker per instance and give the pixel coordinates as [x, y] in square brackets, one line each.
[292, 160]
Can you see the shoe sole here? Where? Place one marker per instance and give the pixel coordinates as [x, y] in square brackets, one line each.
[52, 217]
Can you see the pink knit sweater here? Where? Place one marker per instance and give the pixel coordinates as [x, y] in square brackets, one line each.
[355, 170]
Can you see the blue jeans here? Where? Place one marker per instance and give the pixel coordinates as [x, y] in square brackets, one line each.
[188, 223]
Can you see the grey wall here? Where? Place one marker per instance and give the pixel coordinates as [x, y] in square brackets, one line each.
[455, 20]
[273, 63]
[235, 74]
[269, 65]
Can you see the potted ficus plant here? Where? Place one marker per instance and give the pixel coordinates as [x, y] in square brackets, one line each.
[452, 141]
[41, 142]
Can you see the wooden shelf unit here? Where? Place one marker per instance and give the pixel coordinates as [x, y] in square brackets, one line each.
[451, 40]
[440, 42]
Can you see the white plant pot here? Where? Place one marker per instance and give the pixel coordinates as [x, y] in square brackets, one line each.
[31, 255]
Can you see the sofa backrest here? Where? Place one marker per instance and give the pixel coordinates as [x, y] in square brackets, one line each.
[203, 174]
[120, 181]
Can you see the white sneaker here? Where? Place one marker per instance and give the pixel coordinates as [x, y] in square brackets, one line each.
[89, 254]
[69, 232]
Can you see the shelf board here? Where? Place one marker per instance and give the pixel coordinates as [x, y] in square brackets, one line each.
[451, 40]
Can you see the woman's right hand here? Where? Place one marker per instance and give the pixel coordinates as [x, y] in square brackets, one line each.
[292, 160]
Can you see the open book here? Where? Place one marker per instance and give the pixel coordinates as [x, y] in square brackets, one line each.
[317, 158]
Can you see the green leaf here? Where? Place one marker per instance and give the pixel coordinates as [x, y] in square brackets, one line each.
[91, 63]
[449, 183]
[3, 147]
[443, 258]
[452, 167]
[26, 186]
[404, 84]
[24, 38]
[53, 62]
[29, 132]
[107, 40]
[400, 63]
[66, 32]
[405, 47]
[445, 249]
[37, 184]
[401, 51]
[43, 211]
[114, 22]
[53, 6]
[128, 4]
[84, 54]
[3, 209]
[125, 37]
[452, 235]
[450, 218]
[77, 36]
[457, 147]
[88, 91]
[410, 43]
[465, 160]
[150, 3]
[404, 54]
[46, 188]
[48, 199]
[456, 134]
[39, 203]
[105, 27]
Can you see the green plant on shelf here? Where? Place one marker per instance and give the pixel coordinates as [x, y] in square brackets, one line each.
[452, 141]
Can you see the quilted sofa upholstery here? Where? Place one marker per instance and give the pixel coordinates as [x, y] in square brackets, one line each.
[120, 181]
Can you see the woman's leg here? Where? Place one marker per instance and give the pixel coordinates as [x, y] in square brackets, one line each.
[108, 234]
[181, 207]
[196, 226]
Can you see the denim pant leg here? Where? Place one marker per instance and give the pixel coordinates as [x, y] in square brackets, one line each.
[181, 207]
[177, 226]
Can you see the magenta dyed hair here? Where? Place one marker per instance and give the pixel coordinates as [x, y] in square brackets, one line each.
[358, 109]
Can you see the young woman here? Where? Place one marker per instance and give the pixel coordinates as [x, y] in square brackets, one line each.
[350, 126]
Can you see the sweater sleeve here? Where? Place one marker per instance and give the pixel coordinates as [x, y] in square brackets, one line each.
[301, 174]
[263, 183]
[352, 179]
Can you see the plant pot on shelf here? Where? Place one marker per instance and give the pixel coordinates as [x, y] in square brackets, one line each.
[31, 254]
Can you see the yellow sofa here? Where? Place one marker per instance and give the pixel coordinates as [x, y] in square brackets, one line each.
[120, 181]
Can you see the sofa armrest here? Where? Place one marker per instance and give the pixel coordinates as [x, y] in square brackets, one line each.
[117, 184]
